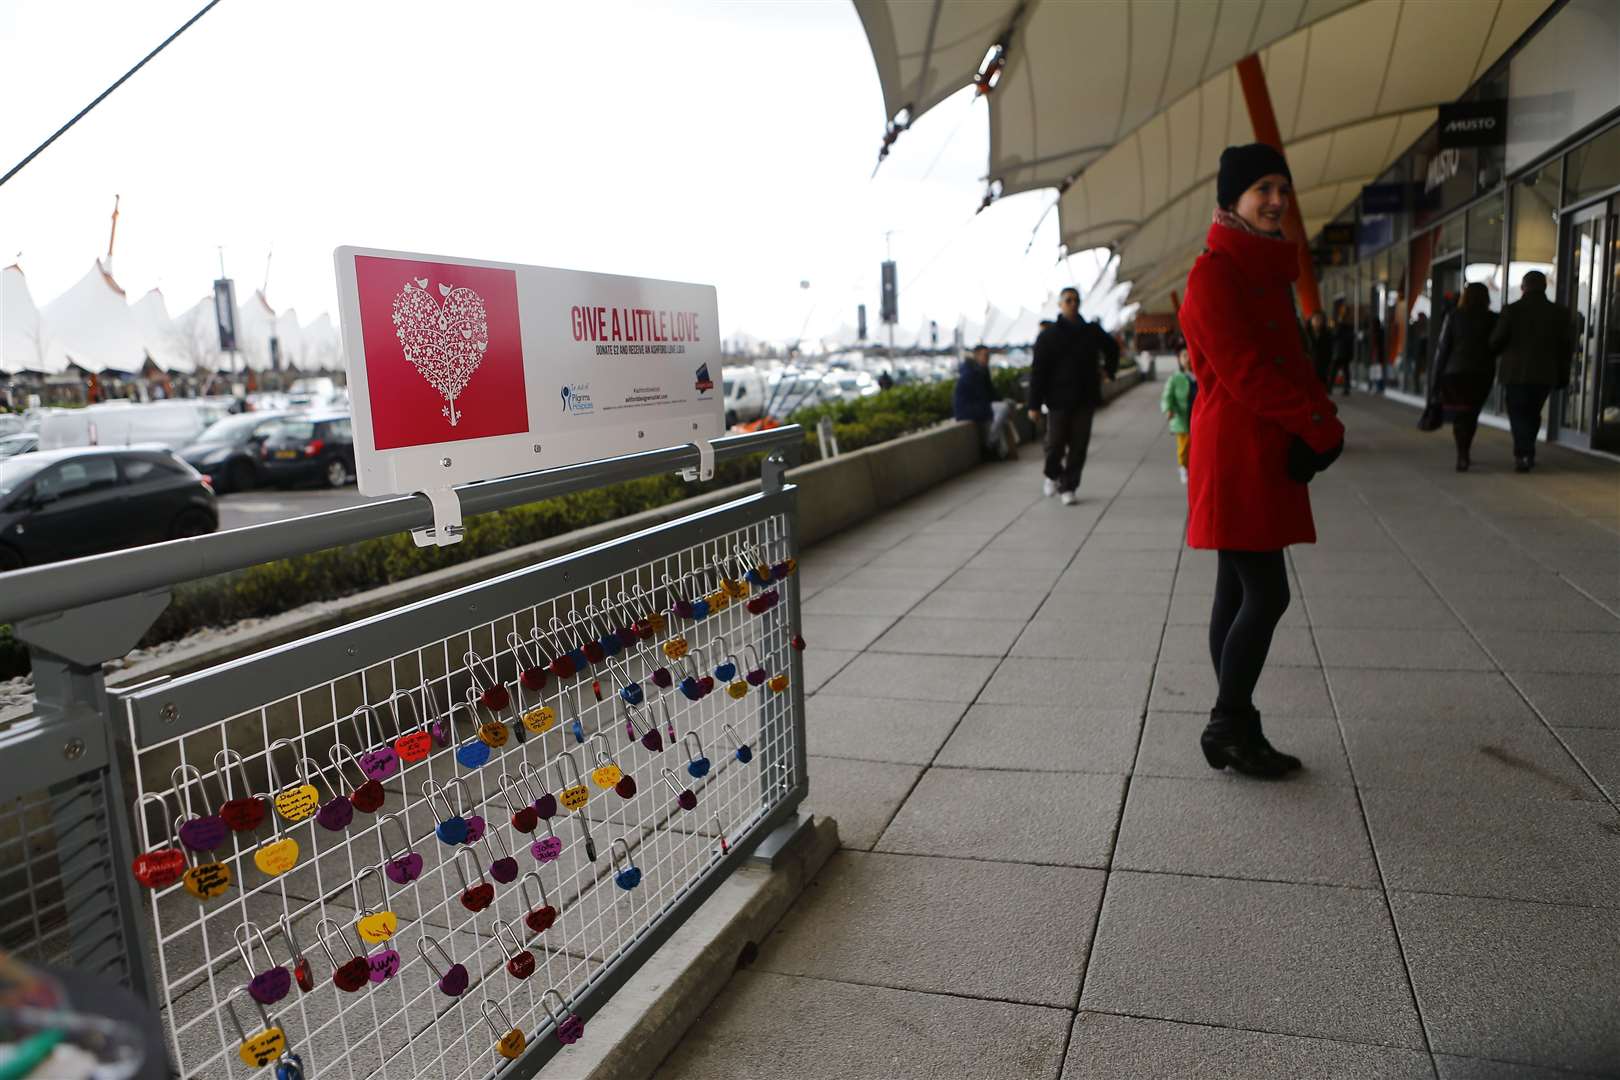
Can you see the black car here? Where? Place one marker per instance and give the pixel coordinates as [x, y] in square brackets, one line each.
[316, 446]
[61, 504]
[227, 452]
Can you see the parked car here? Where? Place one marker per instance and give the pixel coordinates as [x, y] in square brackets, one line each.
[227, 452]
[24, 442]
[745, 395]
[126, 423]
[315, 446]
[61, 504]
[10, 423]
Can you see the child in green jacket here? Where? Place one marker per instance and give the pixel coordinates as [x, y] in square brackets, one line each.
[1175, 401]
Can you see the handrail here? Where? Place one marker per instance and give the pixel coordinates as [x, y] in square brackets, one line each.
[36, 591]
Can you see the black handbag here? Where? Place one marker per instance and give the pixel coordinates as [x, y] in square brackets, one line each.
[1431, 418]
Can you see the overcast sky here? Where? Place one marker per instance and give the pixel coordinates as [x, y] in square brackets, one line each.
[724, 143]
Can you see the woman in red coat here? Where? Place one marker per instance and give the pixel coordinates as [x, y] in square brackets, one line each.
[1261, 428]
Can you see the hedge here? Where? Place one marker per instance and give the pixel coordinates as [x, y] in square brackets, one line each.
[276, 587]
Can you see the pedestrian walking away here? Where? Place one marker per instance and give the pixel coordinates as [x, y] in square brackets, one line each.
[1319, 339]
[1344, 348]
[1176, 402]
[1072, 357]
[1534, 341]
[1263, 427]
[1464, 368]
[977, 399]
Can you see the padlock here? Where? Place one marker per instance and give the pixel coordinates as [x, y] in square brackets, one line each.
[289, 1066]
[570, 1028]
[264, 1045]
[198, 832]
[797, 641]
[572, 796]
[475, 752]
[303, 973]
[350, 975]
[509, 1041]
[157, 868]
[784, 568]
[548, 847]
[720, 831]
[740, 750]
[206, 880]
[662, 678]
[756, 674]
[669, 724]
[718, 601]
[492, 734]
[379, 760]
[519, 961]
[276, 854]
[367, 797]
[415, 743]
[383, 964]
[726, 670]
[540, 718]
[269, 984]
[476, 892]
[691, 685]
[502, 867]
[674, 648]
[607, 771]
[737, 689]
[585, 833]
[295, 801]
[630, 691]
[465, 807]
[244, 813]
[452, 827]
[697, 766]
[375, 925]
[335, 814]
[644, 731]
[628, 876]
[520, 813]
[453, 977]
[606, 639]
[531, 671]
[488, 690]
[542, 916]
[685, 797]
[777, 683]
[700, 609]
[545, 804]
[679, 605]
[403, 865]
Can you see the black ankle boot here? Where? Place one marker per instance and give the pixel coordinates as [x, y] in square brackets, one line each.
[1227, 740]
[1288, 761]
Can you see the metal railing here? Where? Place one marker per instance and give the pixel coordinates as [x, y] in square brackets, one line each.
[413, 700]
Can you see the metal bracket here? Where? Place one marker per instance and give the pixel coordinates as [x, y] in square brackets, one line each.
[90, 635]
[447, 527]
[705, 469]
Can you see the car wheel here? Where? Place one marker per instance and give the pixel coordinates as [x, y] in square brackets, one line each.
[241, 476]
[731, 418]
[10, 559]
[191, 523]
[337, 473]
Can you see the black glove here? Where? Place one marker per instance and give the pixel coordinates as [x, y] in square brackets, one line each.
[1301, 461]
[1323, 460]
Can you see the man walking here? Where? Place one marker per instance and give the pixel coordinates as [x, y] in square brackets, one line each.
[1344, 349]
[1533, 339]
[1071, 356]
[976, 399]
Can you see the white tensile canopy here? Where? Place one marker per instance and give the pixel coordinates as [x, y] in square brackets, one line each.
[24, 343]
[95, 326]
[1125, 105]
[158, 334]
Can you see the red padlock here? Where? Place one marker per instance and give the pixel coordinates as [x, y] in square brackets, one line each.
[244, 813]
[541, 916]
[164, 866]
[351, 974]
[519, 961]
[474, 896]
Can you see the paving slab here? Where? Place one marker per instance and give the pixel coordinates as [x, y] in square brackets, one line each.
[1293, 959]
[1036, 738]
[1170, 748]
[1426, 698]
[969, 604]
[922, 678]
[842, 599]
[1486, 845]
[1392, 649]
[906, 732]
[906, 556]
[861, 795]
[1521, 760]
[1290, 647]
[766, 1026]
[821, 664]
[1464, 1068]
[1566, 651]
[1089, 639]
[1105, 608]
[1541, 613]
[950, 637]
[892, 577]
[1267, 832]
[1598, 751]
[1573, 700]
[1192, 609]
[1133, 1048]
[1010, 576]
[1420, 612]
[1051, 819]
[1092, 578]
[1095, 684]
[1392, 584]
[955, 926]
[1515, 982]
[844, 631]
[1191, 687]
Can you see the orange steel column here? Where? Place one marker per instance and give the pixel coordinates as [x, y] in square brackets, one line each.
[1252, 77]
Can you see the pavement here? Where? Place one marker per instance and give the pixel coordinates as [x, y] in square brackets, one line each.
[1040, 877]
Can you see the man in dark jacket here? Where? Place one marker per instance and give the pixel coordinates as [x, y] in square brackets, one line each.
[1066, 375]
[1344, 348]
[1533, 339]
[976, 399]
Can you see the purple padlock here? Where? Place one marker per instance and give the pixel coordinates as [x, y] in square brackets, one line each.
[379, 764]
[570, 1028]
[548, 847]
[269, 987]
[685, 798]
[476, 827]
[403, 866]
[454, 981]
[502, 867]
[335, 814]
[200, 832]
[383, 965]
[381, 761]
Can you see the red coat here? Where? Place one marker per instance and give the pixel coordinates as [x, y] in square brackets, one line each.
[1256, 390]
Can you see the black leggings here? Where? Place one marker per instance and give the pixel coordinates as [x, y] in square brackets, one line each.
[1251, 594]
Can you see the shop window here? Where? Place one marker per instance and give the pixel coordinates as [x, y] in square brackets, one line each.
[1593, 167]
[1535, 229]
[1484, 260]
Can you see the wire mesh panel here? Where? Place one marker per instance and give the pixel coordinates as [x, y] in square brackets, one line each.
[410, 845]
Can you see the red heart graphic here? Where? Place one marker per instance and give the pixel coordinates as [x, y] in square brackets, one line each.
[478, 897]
[445, 343]
[158, 869]
[413, 747]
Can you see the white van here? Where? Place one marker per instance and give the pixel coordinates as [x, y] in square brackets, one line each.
[745, 395]
[171, 423]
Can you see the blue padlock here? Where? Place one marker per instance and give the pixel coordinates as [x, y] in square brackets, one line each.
[741, 750]
[452, 827]
[473, 753]
[289, 1067]
[726, 670]
[697, 766]
[700, 609]
[629, 876]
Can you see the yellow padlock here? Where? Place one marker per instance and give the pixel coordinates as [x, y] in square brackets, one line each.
[540, 719]
[676, 647]
[509, 1041]
[607, 772]
[573, 796]
[263, 1046]
[374, 926]
[277, 855]
[778, 683]
[295, 801]
[737, 688]
[718, 600]
[207, 880]
[493, 733]
[736, 588]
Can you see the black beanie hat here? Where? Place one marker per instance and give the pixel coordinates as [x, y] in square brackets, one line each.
[1241, 166]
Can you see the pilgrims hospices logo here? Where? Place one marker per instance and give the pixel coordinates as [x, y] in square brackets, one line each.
[704, 383]
[576, 398]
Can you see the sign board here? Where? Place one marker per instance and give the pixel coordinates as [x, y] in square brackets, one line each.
[1384, 198]
[1473, 123]
[860, 322]
[464, 370]
[225, 313]
[889, 310]
[1339, 234]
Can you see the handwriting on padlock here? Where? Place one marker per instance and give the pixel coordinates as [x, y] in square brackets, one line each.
[605, 776]
[574, 798]
[511, 1044]
[378, 927]
[547, 848]
[521, 966]
[379, 764]
[296, 804]
[208, 880]
[413, 747]
[277, 857]
[263, 1048]
[383, 965]
[159, 869]
[540, 719]
[494, 733]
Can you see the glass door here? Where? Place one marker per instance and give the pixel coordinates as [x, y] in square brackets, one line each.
[1606, 392]
[1587, 275]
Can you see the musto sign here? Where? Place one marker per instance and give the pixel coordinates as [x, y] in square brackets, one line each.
[463, 370]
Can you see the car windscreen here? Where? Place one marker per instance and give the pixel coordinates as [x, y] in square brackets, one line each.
[293, 430]
[232, 429]
[17, 471]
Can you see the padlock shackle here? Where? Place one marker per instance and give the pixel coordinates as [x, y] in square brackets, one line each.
[511, 934]
[323, 935]
[295, 951]
[417, 723]
[275, 774]
[538, 884]
[425, 946]
[478, 669]
[399, 823]
[461, 871]
[500, 1032]
[431, 791]
[244, 933]
[557, 766]
[613, 857]
[692, 737]
[361, 910]
[222, 765]
[182, 777]
[364, 735]
[140, 813]
[505, 853]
